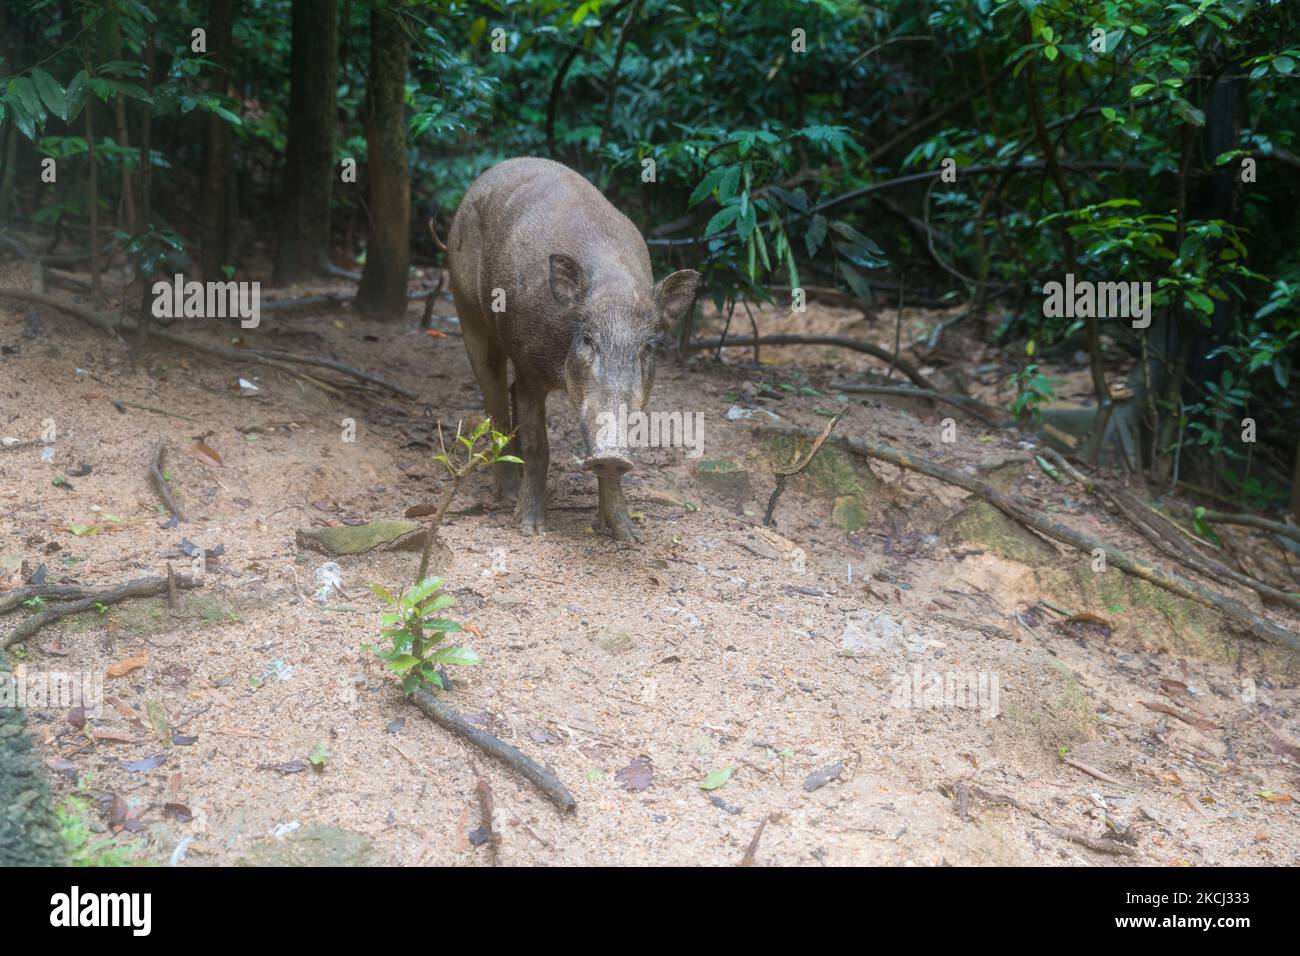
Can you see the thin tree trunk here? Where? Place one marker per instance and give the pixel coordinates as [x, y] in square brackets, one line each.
[146, 178]
[1295, 487]
[94, 202]
[218, 223]
[303, 246]
[382, 293]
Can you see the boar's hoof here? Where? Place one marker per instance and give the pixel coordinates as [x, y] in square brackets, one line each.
[608, 466]
[618, 526]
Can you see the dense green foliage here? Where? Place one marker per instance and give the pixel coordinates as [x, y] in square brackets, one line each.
[1150, 141]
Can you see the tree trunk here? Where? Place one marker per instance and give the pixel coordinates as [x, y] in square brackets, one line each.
[383, 281]
[303, 247]
[218, 235]
[1295, 487]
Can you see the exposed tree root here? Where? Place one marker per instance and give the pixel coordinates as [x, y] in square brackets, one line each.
[139, 588]
[1021, 511]
[857, 345]
[270, 357]
[970, 406]
[534, 772]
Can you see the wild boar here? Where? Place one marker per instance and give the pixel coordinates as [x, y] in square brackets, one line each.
[548, 275]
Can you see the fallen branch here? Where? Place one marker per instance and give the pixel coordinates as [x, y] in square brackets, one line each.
[1251, 521]
[1020, 510]
[752, 849]
[160, 483]
[783, 475]
[139, 588]
[857, 345]
[1096, 844]
[57, 592]
[532, 771]
[270, 357]
[1167, 537]
[968, 405]
[123, 403]
[1090, 771]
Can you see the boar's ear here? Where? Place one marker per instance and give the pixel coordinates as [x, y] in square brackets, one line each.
[568, 283]
[674, 295]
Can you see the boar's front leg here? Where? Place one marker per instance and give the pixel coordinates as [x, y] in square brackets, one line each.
[611, 516]
[530, 407]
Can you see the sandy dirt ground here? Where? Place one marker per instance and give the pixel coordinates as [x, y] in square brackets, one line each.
[821, 668]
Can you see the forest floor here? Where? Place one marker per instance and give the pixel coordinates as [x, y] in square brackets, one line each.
[805, 662]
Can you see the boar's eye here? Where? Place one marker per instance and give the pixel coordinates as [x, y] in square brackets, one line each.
[651, 346]
[588, 340]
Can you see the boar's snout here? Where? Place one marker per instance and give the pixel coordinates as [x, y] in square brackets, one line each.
[608, 464]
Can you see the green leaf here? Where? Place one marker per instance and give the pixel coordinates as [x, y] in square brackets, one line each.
[423, 590]
[402, 663]
[25, 91]
[721, 220]
[437, 604]
[319, 754]
[382, 592]
[857, 281]
[51, 93]
[1188, 113]
[815, 235]
[716, 779]
[455, 655]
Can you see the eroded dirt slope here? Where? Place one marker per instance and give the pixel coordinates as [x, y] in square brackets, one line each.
[634, 672]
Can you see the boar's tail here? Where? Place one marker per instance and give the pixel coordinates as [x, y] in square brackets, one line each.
[433, 231]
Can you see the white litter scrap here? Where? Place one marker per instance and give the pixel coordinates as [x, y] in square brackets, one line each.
[282, 830]
[247, 388]
[868, 632]
[181, 851]
[47, 454]
[737, 413]
[330, 577]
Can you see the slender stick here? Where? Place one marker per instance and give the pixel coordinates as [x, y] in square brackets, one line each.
[160, 483]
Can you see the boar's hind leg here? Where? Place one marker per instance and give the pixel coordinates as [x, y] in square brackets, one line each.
[611, 515]
[530, 409]
[489, 365]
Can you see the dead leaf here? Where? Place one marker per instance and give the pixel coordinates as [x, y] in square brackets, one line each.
[148, 763]
[1192, 720]
[178, 812]
[61, 765]
[124, 667]
[205, 453]
[1086, 617]
[1273, 797]
[114, 737]
[636, 776]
